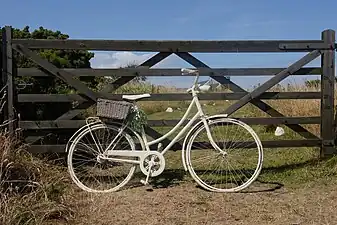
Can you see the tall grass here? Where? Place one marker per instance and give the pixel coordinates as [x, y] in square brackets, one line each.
[32, 190]
[291, 107]
[299, 107]
[288, 107]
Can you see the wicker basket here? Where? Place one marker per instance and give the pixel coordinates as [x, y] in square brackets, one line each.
[113, 109]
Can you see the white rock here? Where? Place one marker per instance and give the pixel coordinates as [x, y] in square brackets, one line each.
[279, 131]
[169, 109]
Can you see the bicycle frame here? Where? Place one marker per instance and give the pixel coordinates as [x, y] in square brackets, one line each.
[200, 114]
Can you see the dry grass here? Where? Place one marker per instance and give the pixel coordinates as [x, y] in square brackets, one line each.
[302, 107]
[32, 190]
[186, 204]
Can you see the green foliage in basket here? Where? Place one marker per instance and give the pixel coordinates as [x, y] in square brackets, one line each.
[136, 119]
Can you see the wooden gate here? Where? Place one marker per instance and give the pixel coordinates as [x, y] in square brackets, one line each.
[65, 123]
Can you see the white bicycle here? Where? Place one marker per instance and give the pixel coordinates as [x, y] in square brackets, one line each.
[103, 157]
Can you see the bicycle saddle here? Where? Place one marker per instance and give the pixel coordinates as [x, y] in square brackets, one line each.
[135, 97]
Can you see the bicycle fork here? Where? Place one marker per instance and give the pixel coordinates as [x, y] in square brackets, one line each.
[210, 137]
[203, 119]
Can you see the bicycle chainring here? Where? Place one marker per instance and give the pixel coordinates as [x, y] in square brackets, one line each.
[156, 159]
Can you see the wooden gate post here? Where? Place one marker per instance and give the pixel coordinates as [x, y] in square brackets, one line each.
[327, 95]
[7, 77]
[2, 83]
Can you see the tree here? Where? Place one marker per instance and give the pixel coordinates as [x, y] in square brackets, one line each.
[59, 58]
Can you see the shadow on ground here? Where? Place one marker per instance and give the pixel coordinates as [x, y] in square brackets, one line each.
[173, 177]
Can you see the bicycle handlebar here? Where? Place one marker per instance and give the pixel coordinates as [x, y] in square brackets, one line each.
[185, 71]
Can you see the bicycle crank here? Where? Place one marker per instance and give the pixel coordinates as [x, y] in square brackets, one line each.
[152, 164]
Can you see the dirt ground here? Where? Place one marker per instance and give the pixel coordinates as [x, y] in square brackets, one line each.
[186, 203]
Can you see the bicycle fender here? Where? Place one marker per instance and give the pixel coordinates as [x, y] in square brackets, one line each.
[77, 132]
[96, 123]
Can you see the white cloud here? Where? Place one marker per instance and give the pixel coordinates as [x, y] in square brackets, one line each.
[117, 59]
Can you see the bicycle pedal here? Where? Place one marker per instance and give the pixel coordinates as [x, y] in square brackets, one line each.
[144, 182]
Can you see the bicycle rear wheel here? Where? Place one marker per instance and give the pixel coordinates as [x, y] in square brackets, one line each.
[93, 173]
[233, 168]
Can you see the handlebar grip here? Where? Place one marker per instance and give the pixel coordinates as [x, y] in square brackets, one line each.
[185, 71]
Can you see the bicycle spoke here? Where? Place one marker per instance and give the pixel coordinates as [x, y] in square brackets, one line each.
[230, 170]
[90, 169]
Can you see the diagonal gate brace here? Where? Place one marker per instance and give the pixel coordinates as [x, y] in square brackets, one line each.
[67, 77]
[148, 63]
[123, 80]
[273, 81]
[63, 75]
[236, 88]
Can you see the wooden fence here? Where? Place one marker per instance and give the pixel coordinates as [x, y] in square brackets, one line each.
[64, 125]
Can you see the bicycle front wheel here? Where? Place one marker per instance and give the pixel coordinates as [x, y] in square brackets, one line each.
[88, 170]
[234, 165]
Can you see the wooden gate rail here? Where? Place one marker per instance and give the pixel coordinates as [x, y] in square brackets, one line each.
[179, 46]
[169, 97]
[131, 72]
[86, 97]
[266, 144]
[74, 124]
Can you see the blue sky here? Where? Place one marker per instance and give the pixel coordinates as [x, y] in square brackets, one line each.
[181, 20]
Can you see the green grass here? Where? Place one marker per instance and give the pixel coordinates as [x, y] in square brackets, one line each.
[292, 167]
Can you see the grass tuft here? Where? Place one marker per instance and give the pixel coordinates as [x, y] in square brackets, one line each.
[32, 190]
